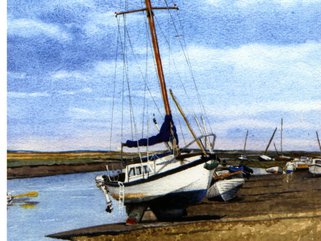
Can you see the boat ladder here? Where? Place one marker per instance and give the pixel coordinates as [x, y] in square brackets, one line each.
[121, 198]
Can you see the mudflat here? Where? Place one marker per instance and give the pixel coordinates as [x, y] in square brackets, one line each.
[267, 208]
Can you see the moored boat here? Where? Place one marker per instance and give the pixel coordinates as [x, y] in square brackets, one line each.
[227, 182]
[302, 163]
[167, 182]
[274, 170]
[265, 158]
[225, 190]
[315, 166]
[9, 199]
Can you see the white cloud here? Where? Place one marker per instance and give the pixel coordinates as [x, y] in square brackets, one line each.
[85, 141]
[88, 114]
[98, 22]
[257, 108]
[259, 56]
[254, 123]
[288, 144]
[81, 111]
[243, 124]
[31, 27]
[16, 75]
[253, 3]
[27, 95]
[64, 75]
[74, 92]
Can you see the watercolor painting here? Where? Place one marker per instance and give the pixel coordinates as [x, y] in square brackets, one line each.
[163, 120]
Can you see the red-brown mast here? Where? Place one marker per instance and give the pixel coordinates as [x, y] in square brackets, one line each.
[149, 11]
[160, 72]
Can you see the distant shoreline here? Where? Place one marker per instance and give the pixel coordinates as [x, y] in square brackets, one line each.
[27, 164]
[50, 170]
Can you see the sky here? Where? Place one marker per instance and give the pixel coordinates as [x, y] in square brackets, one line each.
[253, 62]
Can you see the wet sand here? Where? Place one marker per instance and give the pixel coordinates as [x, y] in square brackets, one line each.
[267, 208]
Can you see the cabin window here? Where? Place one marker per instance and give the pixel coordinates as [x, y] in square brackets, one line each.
[318, 162]
[138, 170]
[131, 172]
[134, 171]
[146, 169]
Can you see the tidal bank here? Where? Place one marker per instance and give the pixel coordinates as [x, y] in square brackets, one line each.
[267, 208]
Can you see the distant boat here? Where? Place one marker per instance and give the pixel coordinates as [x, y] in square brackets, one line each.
[282, 157]
[315, 166]
[169, 182]
[243, 157]
[302, 163]
[274, 170]
[11, 199]
[264, 157]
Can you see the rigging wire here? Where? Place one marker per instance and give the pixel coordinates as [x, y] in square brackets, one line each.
[123, 91]
[114, 85]
[125, 48]
[183, 46]
[174, 64]
[133, 124]
[141, 72]
[131, 111]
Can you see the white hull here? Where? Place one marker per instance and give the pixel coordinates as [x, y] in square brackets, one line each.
[225, 189]
[315, 169]
[265, 158]
[186, 179]
[191, 179]
[165, 183]
[315, 166]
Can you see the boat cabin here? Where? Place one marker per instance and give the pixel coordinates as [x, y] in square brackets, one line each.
[137, 171]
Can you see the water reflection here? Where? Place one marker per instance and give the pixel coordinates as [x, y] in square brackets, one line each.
[64, 202]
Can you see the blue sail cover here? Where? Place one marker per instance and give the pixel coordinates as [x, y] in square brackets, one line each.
[166, 133]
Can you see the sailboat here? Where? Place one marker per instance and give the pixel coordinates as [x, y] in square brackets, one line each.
[315, 163]
[282, 157]
[243, 157]
[264, 157]
[167, 182]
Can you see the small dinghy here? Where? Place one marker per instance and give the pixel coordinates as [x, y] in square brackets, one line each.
[9, 199]
[228, 182]
[225, 189]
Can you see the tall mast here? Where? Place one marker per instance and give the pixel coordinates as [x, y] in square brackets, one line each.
[150, 16]
[318, 140]
[281, 136]
[244, 149]
[160, 72]
[267, 147]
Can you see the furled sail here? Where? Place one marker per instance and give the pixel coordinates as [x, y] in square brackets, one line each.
[167, 133]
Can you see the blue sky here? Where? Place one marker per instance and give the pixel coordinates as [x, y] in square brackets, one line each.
[254, 62]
